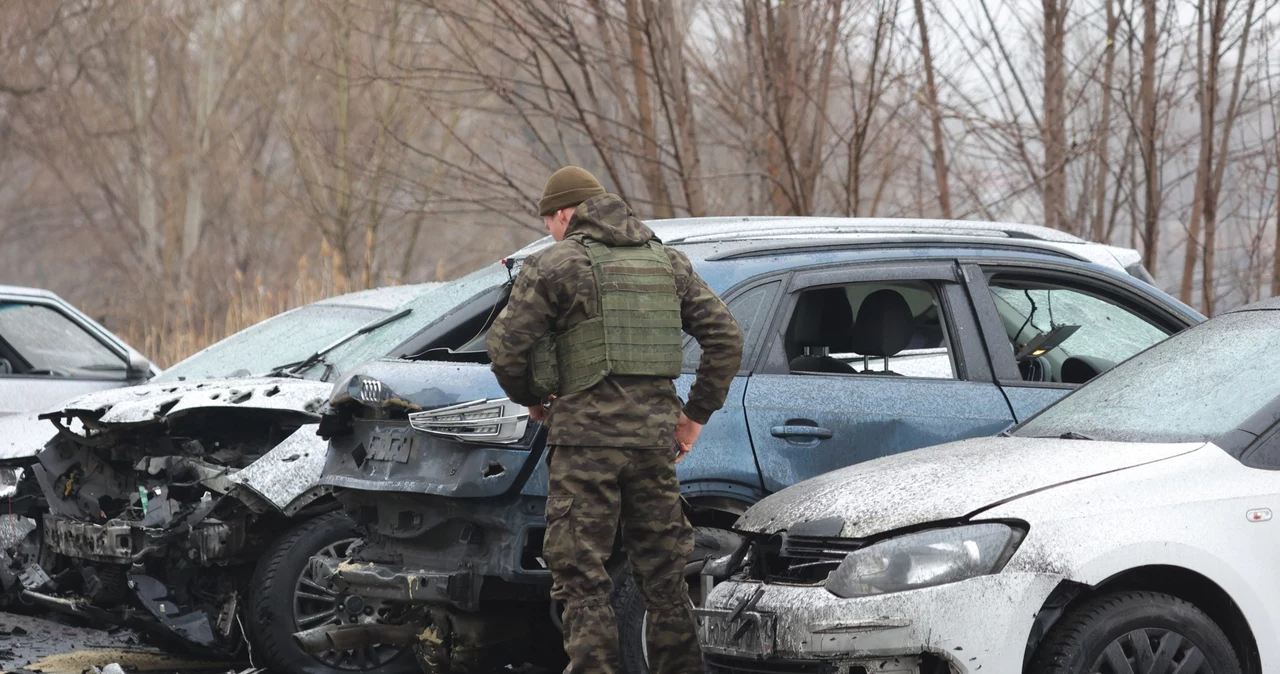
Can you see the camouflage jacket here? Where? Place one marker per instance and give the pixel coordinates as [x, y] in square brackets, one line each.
[556, 290]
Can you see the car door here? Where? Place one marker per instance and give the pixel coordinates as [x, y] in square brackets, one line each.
[47, 357]
[1053, 327]
[866, 361]
[724, 464]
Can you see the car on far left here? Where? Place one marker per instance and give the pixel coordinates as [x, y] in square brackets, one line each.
[186, 506]
[50, 351]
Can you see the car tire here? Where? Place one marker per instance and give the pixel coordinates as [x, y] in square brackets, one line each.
[628, 603]
[272, 607]
[1139, 632]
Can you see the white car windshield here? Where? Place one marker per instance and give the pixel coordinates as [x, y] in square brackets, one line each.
[1195, 387]
[294, 335]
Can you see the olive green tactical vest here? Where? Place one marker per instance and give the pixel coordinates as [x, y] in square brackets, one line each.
[636, 329]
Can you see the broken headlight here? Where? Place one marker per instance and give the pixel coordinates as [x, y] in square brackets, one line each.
[498, 421]
[925, 559]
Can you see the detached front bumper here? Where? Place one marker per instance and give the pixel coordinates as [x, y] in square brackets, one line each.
[978, 624]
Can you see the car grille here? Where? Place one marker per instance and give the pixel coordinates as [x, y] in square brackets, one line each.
[718, 664]
[806, 560]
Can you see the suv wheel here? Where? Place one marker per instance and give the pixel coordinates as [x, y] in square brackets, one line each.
[1138, 633]
[628, 603]
[285, 597]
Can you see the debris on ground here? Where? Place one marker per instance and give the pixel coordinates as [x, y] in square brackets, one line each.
[52, 646]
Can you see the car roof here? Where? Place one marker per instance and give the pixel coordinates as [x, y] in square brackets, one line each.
[761, 235]
[385, 298]
[29, 292]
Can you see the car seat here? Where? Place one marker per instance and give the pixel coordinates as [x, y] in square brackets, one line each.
[823, 321]
[884, 327]
[5, 366]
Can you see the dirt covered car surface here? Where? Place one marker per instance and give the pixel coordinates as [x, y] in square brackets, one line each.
[187, 507]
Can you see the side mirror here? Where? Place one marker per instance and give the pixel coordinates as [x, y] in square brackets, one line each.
[138, 368]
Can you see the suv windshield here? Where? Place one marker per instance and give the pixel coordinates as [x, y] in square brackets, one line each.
[1195, 387]
[294, 335]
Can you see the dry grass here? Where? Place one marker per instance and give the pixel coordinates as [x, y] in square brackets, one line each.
[182, 329]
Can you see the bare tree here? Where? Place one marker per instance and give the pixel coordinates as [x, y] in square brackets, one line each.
[935, 118]
[1147, 136]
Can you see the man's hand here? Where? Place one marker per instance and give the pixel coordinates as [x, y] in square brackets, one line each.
[687, 432]
[540, 412]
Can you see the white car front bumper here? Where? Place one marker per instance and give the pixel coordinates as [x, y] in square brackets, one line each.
[978, 624]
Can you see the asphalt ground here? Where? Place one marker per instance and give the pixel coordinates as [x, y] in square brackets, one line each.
[51, 646]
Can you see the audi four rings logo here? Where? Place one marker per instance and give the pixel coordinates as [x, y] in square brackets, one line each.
[371, 390]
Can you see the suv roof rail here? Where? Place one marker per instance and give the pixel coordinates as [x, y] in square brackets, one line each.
[710, 230]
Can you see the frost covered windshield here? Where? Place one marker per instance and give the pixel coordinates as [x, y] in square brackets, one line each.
[294, 335]
[1197, 386]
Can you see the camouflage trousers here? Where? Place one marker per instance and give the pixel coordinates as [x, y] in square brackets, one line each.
[593, 490]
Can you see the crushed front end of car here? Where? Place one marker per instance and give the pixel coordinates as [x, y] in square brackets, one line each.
[151, 505]
[447, 486]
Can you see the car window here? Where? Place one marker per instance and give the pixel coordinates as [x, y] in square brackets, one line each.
[887, 329]
[1065, 335]
[43, 341]
[1197, 386]
[751, 310]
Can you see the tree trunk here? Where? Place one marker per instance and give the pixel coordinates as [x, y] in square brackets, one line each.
[1147, 132]
[197, 172]
[1100, 233]
[650, 166]
[1191, 257]
[680, 120]
[1055, 123]
[1209, 203]
[144, 182]
[931, 100]
[1219, 171]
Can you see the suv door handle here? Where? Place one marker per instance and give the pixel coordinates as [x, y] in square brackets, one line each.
[801, 432]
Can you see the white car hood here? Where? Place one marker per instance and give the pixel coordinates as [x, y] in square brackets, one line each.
[153, 402]
[945, 482]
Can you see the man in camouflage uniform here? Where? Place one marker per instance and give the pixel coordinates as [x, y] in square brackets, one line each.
[613, 445]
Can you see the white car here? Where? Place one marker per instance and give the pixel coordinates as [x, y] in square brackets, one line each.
[1126, 529]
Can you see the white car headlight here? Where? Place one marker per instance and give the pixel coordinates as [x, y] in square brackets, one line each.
[925, 559]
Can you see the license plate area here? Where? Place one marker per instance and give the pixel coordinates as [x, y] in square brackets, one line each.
[748, 634]
[393, 444]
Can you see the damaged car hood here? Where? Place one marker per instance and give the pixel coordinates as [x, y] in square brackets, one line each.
[945, 482]
[155, 402]
[284, 477]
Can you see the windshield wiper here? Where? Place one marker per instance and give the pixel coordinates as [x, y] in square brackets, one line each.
[1072, 435]
[292, 369]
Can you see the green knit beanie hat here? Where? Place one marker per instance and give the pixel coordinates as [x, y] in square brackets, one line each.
[567, 187]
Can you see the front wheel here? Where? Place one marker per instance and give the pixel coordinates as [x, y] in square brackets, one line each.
[628, 603]
[1136, 633]
[286, 597]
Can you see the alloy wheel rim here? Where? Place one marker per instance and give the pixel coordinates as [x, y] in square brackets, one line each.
[1151, 651]
[316, 603]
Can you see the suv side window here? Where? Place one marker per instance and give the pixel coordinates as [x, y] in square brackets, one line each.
[751, 308]
[1067, 335]
[888, 329]
[40, 340]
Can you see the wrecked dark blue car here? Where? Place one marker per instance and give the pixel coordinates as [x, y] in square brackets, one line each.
[863, 338]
